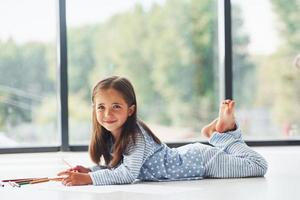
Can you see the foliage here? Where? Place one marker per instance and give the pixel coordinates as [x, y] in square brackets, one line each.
[278, 76]
[169, 52]
[23, 82]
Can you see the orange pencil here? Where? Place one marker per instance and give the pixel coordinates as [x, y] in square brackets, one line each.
[56, 179]
[42, 180]
[39, 181]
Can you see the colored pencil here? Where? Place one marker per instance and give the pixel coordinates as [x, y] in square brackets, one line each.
[67, 163]
[45, 180]
[56, 179]
[20, 179]
[24, 183]
[39, 180]
[13, 184]
[20, 182]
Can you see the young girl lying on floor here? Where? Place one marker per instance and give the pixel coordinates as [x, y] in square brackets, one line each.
[131, 151]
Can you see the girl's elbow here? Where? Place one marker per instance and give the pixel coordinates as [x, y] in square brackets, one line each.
[263, 167]
[134, 177]
[129, 180]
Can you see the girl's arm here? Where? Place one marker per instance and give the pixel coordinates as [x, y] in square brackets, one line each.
[127, 171]
[97, 167]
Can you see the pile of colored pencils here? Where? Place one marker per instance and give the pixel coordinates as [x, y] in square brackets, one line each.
[25, 181]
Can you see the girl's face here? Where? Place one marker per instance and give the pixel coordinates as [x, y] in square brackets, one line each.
[112, 110]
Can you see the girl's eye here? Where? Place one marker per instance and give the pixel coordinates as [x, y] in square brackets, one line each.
[116, 107]
[100, 108]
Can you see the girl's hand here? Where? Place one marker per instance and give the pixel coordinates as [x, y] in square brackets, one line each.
[80, 169]
[75, 178]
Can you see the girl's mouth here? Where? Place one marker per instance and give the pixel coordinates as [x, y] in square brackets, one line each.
[110, 122]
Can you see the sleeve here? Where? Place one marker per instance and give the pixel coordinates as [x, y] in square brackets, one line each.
[127, 171]
[97, 167]
[224, 140]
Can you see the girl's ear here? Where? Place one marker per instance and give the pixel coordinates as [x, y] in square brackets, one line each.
[131, 110]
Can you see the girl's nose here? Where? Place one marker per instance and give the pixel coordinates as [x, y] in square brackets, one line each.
[107, 112]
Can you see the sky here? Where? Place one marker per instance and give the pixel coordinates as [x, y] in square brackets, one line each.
[35, 19]
[27, 20]
[260, 24]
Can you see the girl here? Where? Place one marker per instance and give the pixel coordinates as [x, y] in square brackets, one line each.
[132, 152]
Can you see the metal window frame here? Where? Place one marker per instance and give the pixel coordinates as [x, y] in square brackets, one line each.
[225, 70]
[62, 69]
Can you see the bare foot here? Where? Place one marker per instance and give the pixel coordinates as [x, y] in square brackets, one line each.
[208, 130]
[226, 120]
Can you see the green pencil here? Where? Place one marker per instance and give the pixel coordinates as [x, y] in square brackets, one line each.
[24, 183]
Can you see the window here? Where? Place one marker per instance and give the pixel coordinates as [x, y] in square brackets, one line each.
[28, 113]
[266, 76]
[168, 49]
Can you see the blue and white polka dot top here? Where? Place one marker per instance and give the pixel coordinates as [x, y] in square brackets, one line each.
[149, 161]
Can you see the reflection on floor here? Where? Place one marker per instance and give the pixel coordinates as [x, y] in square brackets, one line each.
[281, 181]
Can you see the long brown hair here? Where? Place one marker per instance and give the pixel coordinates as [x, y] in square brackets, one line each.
[100, 144]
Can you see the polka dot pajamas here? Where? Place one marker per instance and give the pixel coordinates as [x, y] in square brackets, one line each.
[228, 157]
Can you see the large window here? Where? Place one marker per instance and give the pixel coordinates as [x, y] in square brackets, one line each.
[266, 83]
[168, 49]
[28, 115]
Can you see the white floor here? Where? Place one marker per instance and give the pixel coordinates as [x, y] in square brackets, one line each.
[281, 182]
